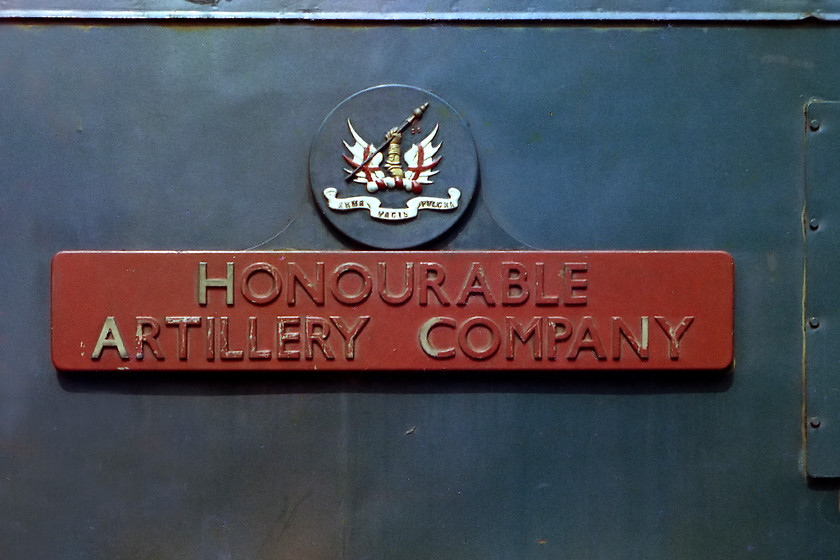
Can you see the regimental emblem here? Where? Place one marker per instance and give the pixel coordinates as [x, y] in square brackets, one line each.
[393, 186]
[366, 167]
[366, 160]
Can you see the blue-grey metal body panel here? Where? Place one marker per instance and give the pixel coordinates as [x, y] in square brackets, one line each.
[822, 298]
[589, 136]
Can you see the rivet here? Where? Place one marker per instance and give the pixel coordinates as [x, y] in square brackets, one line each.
[814, 421]
[814, 124]
[814, 322]
[814, 224]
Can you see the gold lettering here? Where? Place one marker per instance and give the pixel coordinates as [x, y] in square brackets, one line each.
[431, 278]
[561, 330]
[340, 292]
[532, 331]
[148, 329]
[109, 337]
[542, 298]
[621, 330]
[350, 333]
[427, 345]
[204, 283]
[467, 343]
[225, 352]
[317, 331]
[674, 334]
[314, 289]
[253, 352]
[210, 339]
[286, 336]
[574, 282]
[476, 285]
[408, 284]
[587, 338]
[514, 283]
[273, 291]
[182, 323]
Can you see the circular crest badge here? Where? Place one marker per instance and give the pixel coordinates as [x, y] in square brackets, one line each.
[393, 167]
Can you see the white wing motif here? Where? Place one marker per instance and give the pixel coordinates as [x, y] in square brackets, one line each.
[371, 173]
[420, 159]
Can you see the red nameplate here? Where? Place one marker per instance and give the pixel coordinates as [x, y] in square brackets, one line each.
[304, 310]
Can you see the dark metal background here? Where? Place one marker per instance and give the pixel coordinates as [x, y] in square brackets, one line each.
[625, 136]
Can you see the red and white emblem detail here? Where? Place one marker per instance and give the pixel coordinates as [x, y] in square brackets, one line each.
[420, 164]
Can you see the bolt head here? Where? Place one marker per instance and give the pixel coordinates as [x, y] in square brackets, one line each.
[813, 322]
[814, 224]
[814, 421]
[814, 124]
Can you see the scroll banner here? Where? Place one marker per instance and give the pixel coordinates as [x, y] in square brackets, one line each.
[374, 206]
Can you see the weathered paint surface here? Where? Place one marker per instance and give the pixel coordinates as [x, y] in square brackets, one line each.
[140, 137]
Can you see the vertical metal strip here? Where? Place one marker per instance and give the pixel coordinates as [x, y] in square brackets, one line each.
[822, 291]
